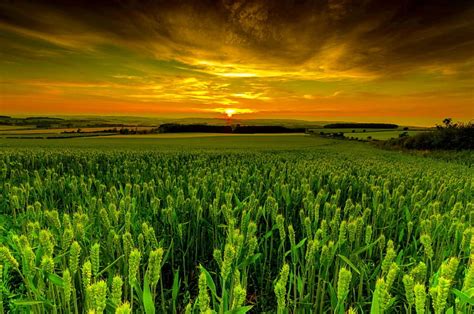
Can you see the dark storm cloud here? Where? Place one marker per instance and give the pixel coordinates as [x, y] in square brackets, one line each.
[333, 36]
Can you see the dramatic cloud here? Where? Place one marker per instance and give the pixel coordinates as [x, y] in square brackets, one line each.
[262, 56]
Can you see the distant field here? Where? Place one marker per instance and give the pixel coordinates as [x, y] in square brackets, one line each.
[7, 130]
[53, 135]
[13, 127]
[193, 135]
[178, 142]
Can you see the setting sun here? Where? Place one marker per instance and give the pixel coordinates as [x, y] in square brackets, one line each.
[229, 112]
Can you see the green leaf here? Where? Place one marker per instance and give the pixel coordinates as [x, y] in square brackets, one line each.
[237, 201]
[168, 251]
[110, 265]
[138, 291]
[333, 296]
[300, 244]
[345, 259]
[365, 248]
[210, 282]
[407, 214]
[176, 284]
[296, 247]
[148, 303]
[26, 302]
[269, 233]
[250, 260]
[463, 297]
[375, 307]
[55, 279]
[299, 284]
[240, 310]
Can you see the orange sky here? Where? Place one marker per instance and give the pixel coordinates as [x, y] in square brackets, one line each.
[404, 63]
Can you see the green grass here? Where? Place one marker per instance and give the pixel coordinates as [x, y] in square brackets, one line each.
[232, 224]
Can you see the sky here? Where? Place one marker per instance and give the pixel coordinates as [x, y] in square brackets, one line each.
[402, 61]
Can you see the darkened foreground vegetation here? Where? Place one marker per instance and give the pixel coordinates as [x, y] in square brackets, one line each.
[361, 126]
[238, 129]
[450, 136]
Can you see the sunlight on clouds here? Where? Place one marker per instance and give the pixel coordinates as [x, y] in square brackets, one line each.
[314, 69]
[237, 74]
[300, 60]
[230, 111]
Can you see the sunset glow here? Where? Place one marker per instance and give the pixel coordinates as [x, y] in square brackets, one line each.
[229, 112]
[381, 61]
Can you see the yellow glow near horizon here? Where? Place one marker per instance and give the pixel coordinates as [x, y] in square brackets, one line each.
[230, 112]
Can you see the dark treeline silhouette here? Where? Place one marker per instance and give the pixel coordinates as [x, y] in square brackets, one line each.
[199, 128]
[57, 123]
[266, 129]
[33, 121]
[238, 129]
[132, 131]
[121, 130]
[361, 126]
[44, 118]
[449, 136]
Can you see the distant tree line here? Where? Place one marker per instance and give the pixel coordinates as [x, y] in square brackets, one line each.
[448, 136]
[122, 130]
[361, 126]
[198, 128]
[57, 123]
[237, 129]
[34, 121]
[266, 129]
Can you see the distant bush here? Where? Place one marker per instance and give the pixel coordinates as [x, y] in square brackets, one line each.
[337, 135]
[445, 137]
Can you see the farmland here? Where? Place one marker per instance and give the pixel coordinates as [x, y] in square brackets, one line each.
[232, 224]
[368, 134]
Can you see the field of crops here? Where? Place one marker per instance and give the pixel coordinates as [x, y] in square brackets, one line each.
[181, 226]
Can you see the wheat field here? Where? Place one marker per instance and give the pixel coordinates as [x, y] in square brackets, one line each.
[337, 228]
